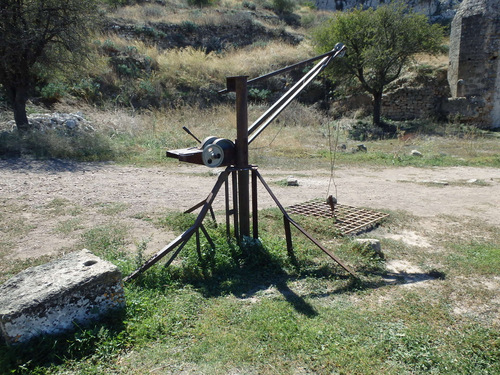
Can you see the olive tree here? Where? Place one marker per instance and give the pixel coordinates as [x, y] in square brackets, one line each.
[379, 44]
[37, 36]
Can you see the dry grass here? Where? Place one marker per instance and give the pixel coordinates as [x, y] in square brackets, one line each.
[195, 68]
[226, 13]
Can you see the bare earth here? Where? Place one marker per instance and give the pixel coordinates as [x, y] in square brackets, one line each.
[31, 186]
[46, 206]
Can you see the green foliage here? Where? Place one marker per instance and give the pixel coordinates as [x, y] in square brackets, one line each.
[200, 3]
[189, 26]
[259, 94]
[53, 91]
[61, 41]
[283, 6]
[249, 5]
[379, 44]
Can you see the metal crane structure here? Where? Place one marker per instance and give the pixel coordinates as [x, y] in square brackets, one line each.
[215, 152]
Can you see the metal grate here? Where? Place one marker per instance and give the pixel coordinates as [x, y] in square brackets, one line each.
[348, 219]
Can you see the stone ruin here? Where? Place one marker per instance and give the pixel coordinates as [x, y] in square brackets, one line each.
[471, 91]
[59, 296]
[474, 70]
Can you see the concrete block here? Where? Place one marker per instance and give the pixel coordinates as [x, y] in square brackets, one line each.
[49, 299]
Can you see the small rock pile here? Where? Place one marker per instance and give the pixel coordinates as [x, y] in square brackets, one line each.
[68, 123]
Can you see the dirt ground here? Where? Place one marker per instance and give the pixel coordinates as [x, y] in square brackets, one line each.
[27, 188]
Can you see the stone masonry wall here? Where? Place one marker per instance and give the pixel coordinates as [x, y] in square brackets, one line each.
[423, 100]
[408, 98]
[475, 64]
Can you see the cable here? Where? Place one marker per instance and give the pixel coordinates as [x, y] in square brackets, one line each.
[333, 157]
[333, 154]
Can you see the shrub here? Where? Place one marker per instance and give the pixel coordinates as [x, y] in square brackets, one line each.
[200, 3]
[283, 6]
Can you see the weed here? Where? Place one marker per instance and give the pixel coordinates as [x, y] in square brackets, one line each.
[112, 208]
[107, 241]
[177, 221]
[68, 226]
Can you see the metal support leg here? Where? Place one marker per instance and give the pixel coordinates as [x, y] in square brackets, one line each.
[255, 207]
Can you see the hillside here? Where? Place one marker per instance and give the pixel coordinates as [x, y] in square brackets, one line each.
[165, 54]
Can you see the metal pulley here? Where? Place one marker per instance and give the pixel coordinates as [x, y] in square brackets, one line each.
[217, 152]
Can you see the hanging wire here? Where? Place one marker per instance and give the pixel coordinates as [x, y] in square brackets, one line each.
[333, 157]
[272, 140]
[333, 150]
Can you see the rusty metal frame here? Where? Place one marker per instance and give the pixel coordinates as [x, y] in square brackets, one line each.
[347, 219]
[240, 171]
[206, 206]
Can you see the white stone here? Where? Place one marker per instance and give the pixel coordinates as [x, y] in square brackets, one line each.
[49, 299]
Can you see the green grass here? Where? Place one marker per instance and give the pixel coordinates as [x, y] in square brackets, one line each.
[247, 309]
[476, 258]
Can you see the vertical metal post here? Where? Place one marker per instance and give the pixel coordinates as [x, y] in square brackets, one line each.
[226, 191]
[255, 207]
[240, 87]
[235, 204]
[289, 244]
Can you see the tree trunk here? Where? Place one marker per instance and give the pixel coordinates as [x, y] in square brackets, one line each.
[377, 106]
[19, 97]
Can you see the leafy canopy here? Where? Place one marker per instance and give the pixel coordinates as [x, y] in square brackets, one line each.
[38, 37]
[380, 43]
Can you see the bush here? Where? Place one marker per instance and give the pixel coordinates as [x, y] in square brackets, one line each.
[53, 91]
[283, 6]
[200, 3]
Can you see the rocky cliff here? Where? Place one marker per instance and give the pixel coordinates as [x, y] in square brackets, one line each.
[436, 10]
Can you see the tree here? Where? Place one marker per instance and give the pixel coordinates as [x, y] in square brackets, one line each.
[37, 36]
[379, 44]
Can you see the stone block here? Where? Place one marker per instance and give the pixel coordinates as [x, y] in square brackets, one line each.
[50, 299]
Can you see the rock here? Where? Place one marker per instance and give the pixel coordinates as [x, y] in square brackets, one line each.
[71, 124]
[416, 153]
[436, 10]
[292, 181]
[362, 147]
[49, 299]
[65, 122]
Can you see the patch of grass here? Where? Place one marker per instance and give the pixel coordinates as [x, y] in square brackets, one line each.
[108, 241]
[68, 226]
[16, 227]
[176, 221]
[247, 309]
[53, 144]
[62, 206]
[112, 208]
[475, 258]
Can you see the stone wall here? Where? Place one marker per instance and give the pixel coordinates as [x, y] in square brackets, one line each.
[474, 68]
[436, 10]
[413, 96]
[422, 99]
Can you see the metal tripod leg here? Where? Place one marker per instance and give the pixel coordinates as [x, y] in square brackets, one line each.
[289, 220]
[184, 237]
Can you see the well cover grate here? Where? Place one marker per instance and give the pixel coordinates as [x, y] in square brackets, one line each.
[348, 219]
